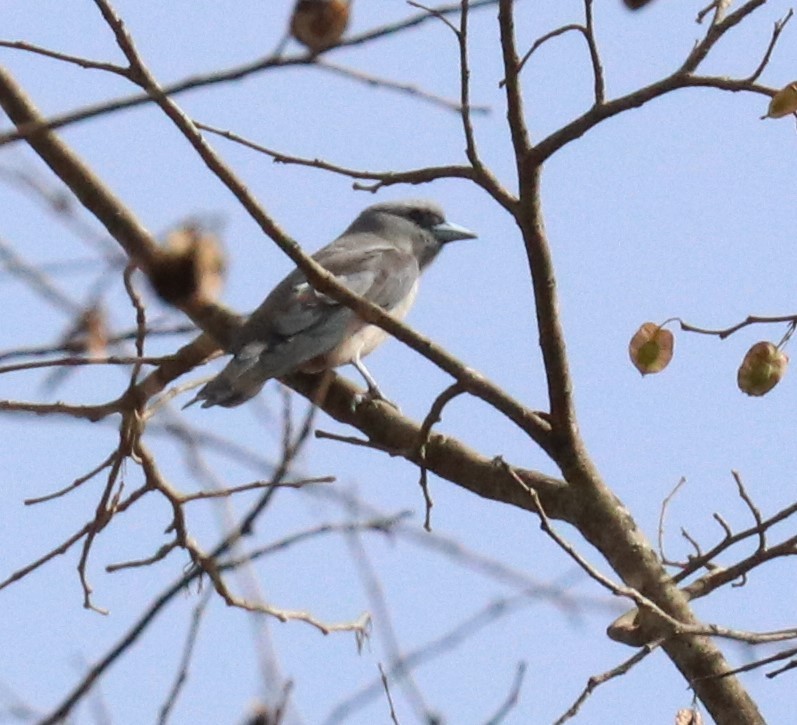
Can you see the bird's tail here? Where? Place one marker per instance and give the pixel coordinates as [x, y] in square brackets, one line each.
[241, 379]
[226, 392]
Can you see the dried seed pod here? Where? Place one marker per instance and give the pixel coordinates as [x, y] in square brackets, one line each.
[762, 368]
[190, 267]
[651, 348]
[783, 103]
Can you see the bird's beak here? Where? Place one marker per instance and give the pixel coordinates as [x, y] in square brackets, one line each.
[450, 232]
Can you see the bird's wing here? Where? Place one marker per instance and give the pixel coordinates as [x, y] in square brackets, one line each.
[297, 323]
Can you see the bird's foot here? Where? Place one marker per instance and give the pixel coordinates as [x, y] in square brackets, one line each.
[372, 395]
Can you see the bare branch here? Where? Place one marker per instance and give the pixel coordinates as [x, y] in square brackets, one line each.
[597, 680]
[728, 331]
[409, 88]
[379, 524]
[385, 630]
[57, 551]
[320, 278]
[512, 697]
[117, 219]
[383, 676]
[716, 30]
[383, 178]
[257, 485]
[427, 652]
[92, 413]
[703, 559]
[720, 576]
[233, 74]
[683, 77]
[616, 589]
[663, 513]
[762, 539]
[432, 417]
[776, 31]
[594, 53]
[64, 57]
[83, 361]
[188, 650]
[14, 264]
[75, 484]
[572, 27]
[159, 555]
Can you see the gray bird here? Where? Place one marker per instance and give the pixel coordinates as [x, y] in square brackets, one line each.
[380, 257]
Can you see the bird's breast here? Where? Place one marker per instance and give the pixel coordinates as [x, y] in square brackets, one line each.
[360, 339]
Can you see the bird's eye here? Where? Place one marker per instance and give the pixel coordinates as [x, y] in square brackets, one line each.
[424, 218]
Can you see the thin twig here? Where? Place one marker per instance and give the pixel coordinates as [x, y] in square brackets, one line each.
[383, 178]
[428, 651]
[432, 417]
[721, 575]
[512, 698]
[616, 589]
[352, 440]
[762, 537]
[380, 524]
[572, 27]
[64, 57]
[529, 421]
[40, 350]
[435, 13]
[662, 514]
[393, 717]
[598, 680]
[159, 555]
[36, 280]
[75, 484]
[257, 485]
[92, 413]
[410, 89]
[188, 650]
[683, 77]
[776, 31]
[81, 361]
[232, 74]
[728, 331]
[141, 320]
[789, 666]
[57, 551]
[598, 80]
[761, 663]
[378, 604]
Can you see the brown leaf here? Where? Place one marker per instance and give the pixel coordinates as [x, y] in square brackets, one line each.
[651, 348]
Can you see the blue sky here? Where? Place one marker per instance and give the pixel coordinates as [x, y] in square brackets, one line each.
[682, 208]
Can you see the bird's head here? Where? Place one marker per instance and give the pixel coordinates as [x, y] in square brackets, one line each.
[420, 224]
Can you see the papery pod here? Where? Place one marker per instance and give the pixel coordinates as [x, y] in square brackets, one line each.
[783, 103]
[762, 368]
[651, 348]
[688, 716]
[191, 266]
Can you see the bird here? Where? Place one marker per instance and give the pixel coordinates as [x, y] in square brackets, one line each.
[320, 24]
[380, 256]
